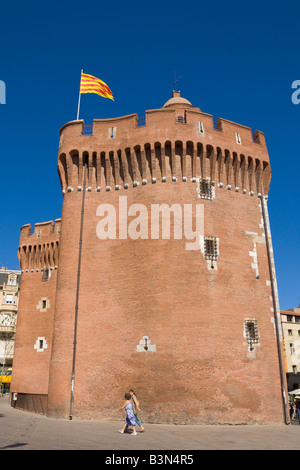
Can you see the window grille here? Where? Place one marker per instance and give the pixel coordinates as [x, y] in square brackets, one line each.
[210, 249]
[251, 332]
[206, 189]
[87, 129]
[180, 119]
[46, 273]
[141, 120]
[217, 125]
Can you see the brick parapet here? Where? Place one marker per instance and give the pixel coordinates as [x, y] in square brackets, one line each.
[121, 154]
[40, 249]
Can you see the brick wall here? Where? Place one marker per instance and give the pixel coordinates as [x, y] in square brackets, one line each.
[201, 369]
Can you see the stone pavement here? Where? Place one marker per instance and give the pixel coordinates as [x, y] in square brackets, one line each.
[21, 430]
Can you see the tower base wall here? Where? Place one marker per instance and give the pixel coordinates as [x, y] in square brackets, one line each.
[158, 318]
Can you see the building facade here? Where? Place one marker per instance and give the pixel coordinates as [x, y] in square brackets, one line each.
[159, 276]
[290, 320]
[9, 298]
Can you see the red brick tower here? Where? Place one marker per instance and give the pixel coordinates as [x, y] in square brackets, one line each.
[196, 331]
[38, 257]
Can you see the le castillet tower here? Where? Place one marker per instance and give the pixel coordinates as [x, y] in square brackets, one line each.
[159, 276]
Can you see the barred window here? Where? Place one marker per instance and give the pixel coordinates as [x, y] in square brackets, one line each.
[251, 333]
[46, 273]
[210, 249]
[180, 118]
[206, 189]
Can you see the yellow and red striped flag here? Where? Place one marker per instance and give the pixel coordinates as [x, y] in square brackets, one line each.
[90, 84]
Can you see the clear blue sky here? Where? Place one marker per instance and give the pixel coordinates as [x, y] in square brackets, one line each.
[237, 61]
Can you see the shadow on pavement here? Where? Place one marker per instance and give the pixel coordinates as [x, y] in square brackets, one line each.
[17, 444]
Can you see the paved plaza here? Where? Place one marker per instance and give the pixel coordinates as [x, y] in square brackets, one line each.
[21, 430]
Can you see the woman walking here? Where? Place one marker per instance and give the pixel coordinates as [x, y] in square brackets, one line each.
[136, 408]
[130, 418]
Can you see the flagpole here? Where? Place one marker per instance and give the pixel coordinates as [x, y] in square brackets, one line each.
[79, 98]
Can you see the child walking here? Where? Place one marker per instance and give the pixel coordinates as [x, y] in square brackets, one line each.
[130, 418]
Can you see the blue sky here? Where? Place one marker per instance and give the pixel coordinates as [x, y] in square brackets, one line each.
[237, 61]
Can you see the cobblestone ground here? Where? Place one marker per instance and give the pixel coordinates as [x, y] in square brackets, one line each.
[21, 430]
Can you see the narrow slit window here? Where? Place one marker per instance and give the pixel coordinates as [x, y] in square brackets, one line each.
[238, 138]
[112, 131]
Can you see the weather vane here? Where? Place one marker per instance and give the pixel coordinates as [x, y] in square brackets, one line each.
[175, 82]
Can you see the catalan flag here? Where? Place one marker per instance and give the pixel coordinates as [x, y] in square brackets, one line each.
[90, 84]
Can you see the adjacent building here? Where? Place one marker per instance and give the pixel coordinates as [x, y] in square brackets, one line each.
[9, 298]
[290, 320]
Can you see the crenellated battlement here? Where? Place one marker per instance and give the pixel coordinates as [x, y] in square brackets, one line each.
[39, 250]
[177, 143]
